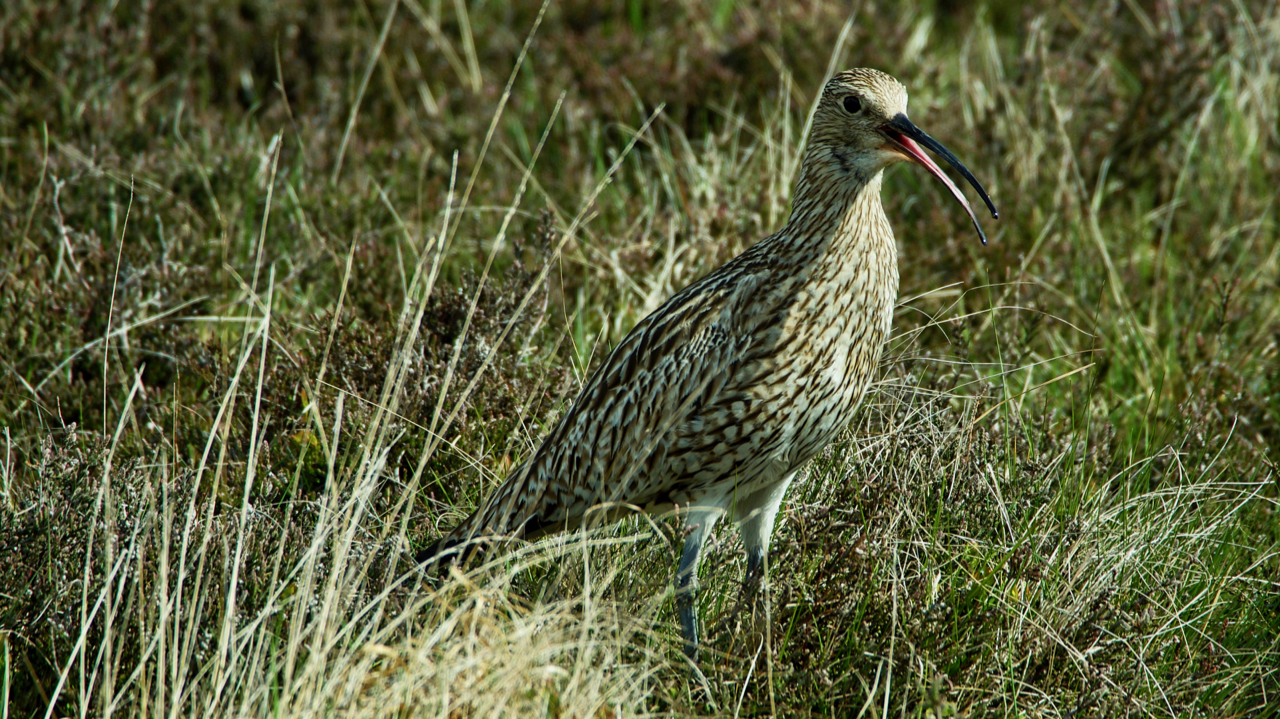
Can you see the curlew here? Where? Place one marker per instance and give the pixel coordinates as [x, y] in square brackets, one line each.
[712, 403]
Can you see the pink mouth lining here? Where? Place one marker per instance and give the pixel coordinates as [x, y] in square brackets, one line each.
[916, 153]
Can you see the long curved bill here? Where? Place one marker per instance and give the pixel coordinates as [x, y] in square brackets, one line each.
[908, 138]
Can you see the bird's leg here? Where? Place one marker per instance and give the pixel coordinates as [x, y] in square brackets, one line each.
[686, 595]
[755, 575]
[698, 526]
[757, 513]
[748, 596]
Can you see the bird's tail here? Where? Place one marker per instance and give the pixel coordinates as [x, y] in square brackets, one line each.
[452, 549]
[500, 517]
[438, 553]
[459, 547]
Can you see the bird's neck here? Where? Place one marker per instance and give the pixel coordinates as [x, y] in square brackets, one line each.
[837, 214]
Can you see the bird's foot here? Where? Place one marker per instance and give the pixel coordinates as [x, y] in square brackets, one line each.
[743, 626]
[686, 607]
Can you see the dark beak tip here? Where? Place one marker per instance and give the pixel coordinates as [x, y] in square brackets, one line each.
[902, 125]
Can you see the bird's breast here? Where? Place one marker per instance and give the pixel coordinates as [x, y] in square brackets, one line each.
[837, 325]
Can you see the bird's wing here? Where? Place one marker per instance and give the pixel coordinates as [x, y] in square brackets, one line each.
[609, 445]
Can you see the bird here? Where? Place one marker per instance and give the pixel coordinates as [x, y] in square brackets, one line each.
[712, 403]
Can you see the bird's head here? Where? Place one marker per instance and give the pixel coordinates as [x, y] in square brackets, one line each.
[860, 126]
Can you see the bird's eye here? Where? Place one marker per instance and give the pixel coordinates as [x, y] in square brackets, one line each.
[852, 104]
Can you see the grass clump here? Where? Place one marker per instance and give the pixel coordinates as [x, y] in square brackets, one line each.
[275, 313]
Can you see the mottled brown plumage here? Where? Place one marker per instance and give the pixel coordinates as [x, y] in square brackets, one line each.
[713, 402]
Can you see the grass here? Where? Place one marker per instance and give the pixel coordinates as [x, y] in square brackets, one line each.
[289, 287]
